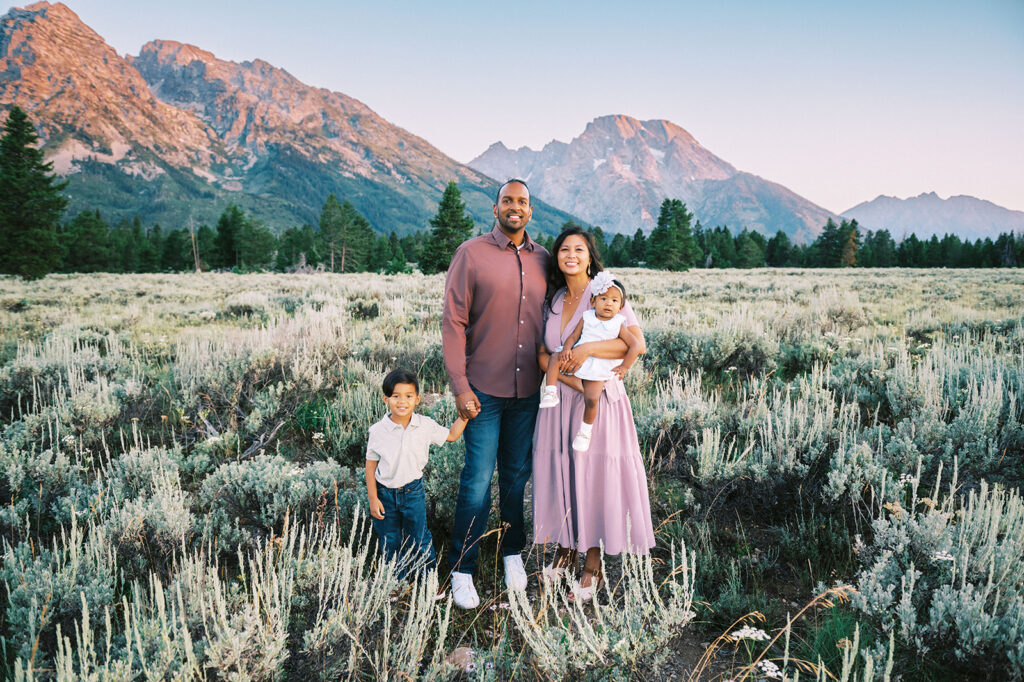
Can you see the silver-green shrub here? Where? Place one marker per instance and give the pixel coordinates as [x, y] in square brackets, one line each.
[243, 502]
[945, 574]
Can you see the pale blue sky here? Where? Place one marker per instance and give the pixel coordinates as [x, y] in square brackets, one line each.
[838, 101]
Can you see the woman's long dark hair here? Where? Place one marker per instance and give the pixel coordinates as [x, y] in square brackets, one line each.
[556, 279]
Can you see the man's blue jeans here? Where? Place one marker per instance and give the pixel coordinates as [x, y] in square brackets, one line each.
[501, 436]
[403, 531]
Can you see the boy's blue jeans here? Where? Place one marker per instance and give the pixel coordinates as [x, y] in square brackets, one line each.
[403, 530]
[501, 436]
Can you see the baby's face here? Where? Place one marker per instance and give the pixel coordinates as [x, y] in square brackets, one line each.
[608, 304]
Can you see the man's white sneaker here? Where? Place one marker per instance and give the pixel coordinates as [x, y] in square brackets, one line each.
[515, 573]
[463, 591]
[549, 399]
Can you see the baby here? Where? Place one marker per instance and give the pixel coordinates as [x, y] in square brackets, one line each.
[601, 323]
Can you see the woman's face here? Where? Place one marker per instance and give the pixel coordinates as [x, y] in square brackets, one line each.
[573, 256]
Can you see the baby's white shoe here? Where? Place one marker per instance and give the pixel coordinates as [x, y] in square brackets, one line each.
[581, 443]
[549, 398]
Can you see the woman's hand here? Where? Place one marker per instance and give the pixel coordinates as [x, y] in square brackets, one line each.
[576, 358]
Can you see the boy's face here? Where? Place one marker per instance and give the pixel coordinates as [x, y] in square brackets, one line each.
[608, 304]
[403, 400]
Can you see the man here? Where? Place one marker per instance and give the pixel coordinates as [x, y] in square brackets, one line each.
[491, 329]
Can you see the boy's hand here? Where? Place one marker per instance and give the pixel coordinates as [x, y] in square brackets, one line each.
[620, 371]
[377, 509]
[467, 405]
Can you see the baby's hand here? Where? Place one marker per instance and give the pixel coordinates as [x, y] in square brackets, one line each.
[565, 356]
[620, 371]
[376, 509]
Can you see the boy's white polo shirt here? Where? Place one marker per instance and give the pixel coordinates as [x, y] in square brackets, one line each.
[402, 452]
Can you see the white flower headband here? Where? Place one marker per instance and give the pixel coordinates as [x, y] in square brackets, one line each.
[602, 282]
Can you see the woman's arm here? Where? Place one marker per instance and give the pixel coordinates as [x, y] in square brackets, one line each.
[612, 349]
[631, 354]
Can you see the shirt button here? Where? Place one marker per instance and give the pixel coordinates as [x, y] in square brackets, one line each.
[520, 321]
[524, 273]
[520, 345]
[524, 298]
[517, 369]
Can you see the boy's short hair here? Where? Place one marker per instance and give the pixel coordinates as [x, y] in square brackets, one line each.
[399, 376]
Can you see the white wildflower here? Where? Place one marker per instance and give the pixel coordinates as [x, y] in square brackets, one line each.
[747, 632]
[770, 670]
[319, 437]
[942, 556]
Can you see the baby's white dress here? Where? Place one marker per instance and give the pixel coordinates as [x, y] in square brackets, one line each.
[595, 329]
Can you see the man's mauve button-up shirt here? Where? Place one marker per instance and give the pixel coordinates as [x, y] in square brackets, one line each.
[493, 318]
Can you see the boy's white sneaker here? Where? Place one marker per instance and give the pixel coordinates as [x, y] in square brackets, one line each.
[549, 399]
[515, 572]
[463, 591]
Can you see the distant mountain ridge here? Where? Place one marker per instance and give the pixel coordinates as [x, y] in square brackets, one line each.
[176, 132]
[928, 214]
[619, 170]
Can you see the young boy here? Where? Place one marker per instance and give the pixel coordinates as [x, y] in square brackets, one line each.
[396, 453]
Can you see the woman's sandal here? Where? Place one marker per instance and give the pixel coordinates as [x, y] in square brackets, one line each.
[553, 574]
[585, 594]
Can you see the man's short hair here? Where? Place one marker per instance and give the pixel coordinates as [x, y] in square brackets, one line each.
[400, 376]
[509, 182]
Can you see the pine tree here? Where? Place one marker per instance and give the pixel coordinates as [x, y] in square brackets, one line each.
[671, 245]
[346, 236]
[31, 205]
[850, 234]
[229, 229]
[749, 253]
[257, 245]
[449, 228]
[638, 249]
[87, 244]
[779, 250]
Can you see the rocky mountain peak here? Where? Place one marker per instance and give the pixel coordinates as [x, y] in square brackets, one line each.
[88, 103]
[619, 169]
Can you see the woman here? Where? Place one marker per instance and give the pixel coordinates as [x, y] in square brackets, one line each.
[599, 498]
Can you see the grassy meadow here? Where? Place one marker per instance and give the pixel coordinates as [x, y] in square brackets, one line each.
[834, 461]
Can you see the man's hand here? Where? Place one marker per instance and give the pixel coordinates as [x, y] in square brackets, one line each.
[376, 508]
[467, 405]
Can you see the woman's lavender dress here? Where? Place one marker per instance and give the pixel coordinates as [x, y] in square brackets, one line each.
[598, 497]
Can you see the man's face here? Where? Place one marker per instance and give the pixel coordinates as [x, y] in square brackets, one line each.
[513, 209]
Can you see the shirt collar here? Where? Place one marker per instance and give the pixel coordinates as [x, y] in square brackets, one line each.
[502, 240]
[415, 421]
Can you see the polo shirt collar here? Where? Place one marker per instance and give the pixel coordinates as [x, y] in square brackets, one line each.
[502, 240]
[414, 422]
